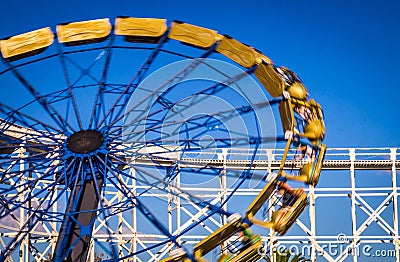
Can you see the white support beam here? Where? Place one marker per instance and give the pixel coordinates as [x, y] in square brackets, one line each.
[393, 158]
[352, 154]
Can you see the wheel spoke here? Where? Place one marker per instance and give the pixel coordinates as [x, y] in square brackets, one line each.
[57, 118]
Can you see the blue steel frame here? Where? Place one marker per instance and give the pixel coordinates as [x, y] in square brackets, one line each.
[70, 171]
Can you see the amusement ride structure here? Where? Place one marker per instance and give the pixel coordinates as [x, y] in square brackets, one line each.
[143, 141]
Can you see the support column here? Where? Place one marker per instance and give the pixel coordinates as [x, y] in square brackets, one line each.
[312, 223]
[120, 227]
[395, 204]
[134, 218]
[352, 153]
[24, 215]
[222, 189]
[54, 224]
[222, 184]
[74, 238]
[170, 200]
[178, 202]
[271, 209]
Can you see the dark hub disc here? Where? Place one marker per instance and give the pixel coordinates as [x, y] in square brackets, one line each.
[85, 141]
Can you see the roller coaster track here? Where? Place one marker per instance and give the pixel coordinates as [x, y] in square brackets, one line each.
[330, 163]
[274, 164]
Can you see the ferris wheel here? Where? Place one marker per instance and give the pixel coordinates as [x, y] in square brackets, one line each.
[104, 124]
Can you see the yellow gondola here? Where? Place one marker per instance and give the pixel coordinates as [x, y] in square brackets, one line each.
[311, 171]
[84, 32]
[27, 44]
[294, 85]
[218, 237]
[242, 54]
[193, 35]
[270, 79]
[146, 30]
[246, 246]
[248, 249]
[287, 214]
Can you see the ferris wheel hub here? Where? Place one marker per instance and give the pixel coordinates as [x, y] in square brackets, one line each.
[85, 141]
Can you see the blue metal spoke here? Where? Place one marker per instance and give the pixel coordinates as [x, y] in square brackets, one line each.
[212, 90]
[29, 185]
[98, 107]
[57, 118]
[14, 115]
[174, 79]
[41, 191]
[245, 175]
[70, 91]
[28, 224]
[224, 115]
[142, 208]
[183, 194]
[134, 82]
[66, 227]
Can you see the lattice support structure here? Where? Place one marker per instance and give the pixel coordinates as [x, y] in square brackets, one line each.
[374, 205]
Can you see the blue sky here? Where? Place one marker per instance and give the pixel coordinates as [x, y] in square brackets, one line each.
[346, 52]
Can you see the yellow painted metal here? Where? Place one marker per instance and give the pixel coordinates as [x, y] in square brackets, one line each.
[250, 254]
[314, 131]
[316, 115]
[317, 110]
[26, 44]
[224, 257]
[263, 196]
[248, 250]
[193, 35]
[83, 32]
[284, 217]
[261, 223]
[242, 54]
[216, 238]
[270, 79]
[294, 85]
[310, 172]
[311, 106]
[261, 58]
[300, 177]
[287, 115]
[260, 200]
[297, 90]
[140, 29]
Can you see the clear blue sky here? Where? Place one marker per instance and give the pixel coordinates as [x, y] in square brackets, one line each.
[346, 52]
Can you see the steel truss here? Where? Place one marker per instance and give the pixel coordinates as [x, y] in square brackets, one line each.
[350, 163]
